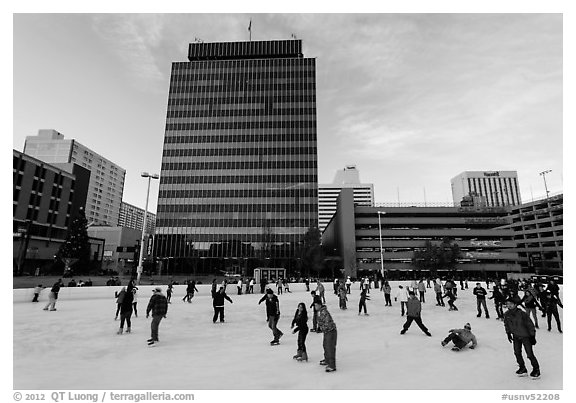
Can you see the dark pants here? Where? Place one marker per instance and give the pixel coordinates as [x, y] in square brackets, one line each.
[439, 299]
[482, 303]
[499, 311]
[518, 342]
[302, 333]
[418, 321]
[315, 319]
[532, 312]
[553, 312]
[453, 337]
[329, 344]
[307, 287]
[262, 286]
[134, 304]
[155, 325]
[347, 288]
[218, 311]
[168, 296]
[388, 299]
[125, 317]
[403, 306]
[422, 299]
[239, 290]
[35, 299]
[272, 321]
[118, 306]
[362, 304]
[451, 303]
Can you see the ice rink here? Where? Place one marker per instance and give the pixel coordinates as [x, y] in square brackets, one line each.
[76, 347]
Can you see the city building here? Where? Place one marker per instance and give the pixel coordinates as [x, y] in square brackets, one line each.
[133, 217]
[106, 179]
[238, 185]
[121, 247]
[348, 177]
[500, 188]
[46, 199]
[353, 234]
[538, 232]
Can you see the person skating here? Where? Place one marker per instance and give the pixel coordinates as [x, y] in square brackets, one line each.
[402, 296]
[307, 284]
[37, 290]
[158, 306]
[342, 298]
[438, 291]
[320, 291]
[552, 303]
[263, 284]
[191, 288]
[348, 284]
[481, 293]
[134, 298]
[530, 303]
[119, 298]
[387, 293]
[251, 286]
[273, 314]
[451, 298]
[218, 304]
[422, 290]
[279, 286]
[126, 310]
[499, 301]
[362, 303]
[239, 286]
[522, 333]
[460, 338]
[413, 313]
[300, 325]
[169, 292]
[213, 287]
[327, 326]
[315, 298]
[53, 296]
[286, 284]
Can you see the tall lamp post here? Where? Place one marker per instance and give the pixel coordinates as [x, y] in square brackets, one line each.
[381, 250]
[141, 255]
[543, 174]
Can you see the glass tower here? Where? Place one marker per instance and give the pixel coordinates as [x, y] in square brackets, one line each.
[239, 183]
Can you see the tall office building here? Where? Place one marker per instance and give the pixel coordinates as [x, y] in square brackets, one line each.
[349, 177]
[500, 188]
[133, 217]
[238, 185]
[106, 178]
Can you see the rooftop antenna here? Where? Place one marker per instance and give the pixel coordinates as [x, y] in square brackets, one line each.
[198, 40]
[293, 36]
[250, 29]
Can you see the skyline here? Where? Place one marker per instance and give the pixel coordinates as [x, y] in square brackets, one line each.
[457, 92]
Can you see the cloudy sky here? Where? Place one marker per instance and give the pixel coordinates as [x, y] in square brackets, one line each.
[411, 99]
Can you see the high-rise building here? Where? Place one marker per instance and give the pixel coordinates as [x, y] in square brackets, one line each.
[133, 217]
[500, 188]
[349, 177]
[106, 178]
[238, 185]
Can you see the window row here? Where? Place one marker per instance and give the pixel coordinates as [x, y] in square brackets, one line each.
[227, 74]
[292, 124]
[193, 166]
[245, 64]
[249, 98]
[247, 85]
[258, 110]
[187, 152]
[215, 223]
[236, 208]
[240, 179]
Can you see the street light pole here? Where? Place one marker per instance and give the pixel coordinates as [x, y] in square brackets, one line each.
[141, 255]
[543, 174]
[381, 251]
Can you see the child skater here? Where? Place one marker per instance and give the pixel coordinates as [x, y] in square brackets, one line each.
[342, 297]
[300, 325]
[362, 303]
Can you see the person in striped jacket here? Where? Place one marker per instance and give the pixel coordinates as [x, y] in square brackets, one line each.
[327, 326]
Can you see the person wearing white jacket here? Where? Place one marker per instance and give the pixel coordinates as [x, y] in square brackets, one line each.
[402, 296]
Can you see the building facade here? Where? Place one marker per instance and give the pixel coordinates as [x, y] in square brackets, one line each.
[500, 188]
[538, 232]
[106, 178]
[348, 177]
[133, 217]
[238, 185]
[121, 248]
[46, 199]
[354, 235]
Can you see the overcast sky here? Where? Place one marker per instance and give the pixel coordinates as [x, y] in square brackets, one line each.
[411, 99]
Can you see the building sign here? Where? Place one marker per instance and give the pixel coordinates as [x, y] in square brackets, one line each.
[481, 255]
[485, 243]
[495, 173]
[107, 253]
[486, 220]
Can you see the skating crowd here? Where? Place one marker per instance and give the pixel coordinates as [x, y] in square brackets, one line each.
[524, 302]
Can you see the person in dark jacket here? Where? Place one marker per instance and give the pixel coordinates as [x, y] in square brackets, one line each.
[300, 325]
[530, 302]
[218, 304]
[126, 309]
[263, 284]
[273, 314]
[413, 311]
[522, 333]
[53, 296]
[315, 298]
[158, 305]
[327, 326]
[552, 303]
[481, 293]
[362, 302]
[499, 301]
[451, 298]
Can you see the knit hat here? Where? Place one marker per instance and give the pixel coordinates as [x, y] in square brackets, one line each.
[514, 300]
[467, 326]
[157, 289]
[269, 291]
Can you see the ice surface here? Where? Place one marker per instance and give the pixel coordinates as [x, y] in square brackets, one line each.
[76, 347]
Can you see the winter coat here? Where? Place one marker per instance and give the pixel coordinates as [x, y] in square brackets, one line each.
[497, 295]
[413, 307]
[466, 335]
[120, 296]
[218, 300]
[517, 322]
[421, 287]
[272, 305]
[316, 299]
[300, 321]
[529, 300]
[319, 288]
[55, 290]
[325, 322]
[126, 305]
[480, 293]
[364, 296]
[387, 289]
[438, 288]
[402, 294]
[158, 304]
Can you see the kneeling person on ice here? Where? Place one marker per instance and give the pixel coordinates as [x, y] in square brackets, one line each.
[460, 338]
[158, 305]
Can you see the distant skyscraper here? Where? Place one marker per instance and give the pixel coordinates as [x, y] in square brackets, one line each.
[500, 188]
[238, 186]
[133, 217]
[348, 177]
[106, 178]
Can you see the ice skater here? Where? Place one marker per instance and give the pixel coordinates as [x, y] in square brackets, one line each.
[422, 290]
[191, 288]
[499, 301]
[413, 312]
[37, 290]
[327, 326]
[438, 291]
[387, 293]
[126, 310]
[300, 325]
[119, 298]
[342, 298]
[481, 293]
[320, 291]
[315, 298]
[218, 304]
[53, 296]
[451, 298]
[552, 303]
[461, 338]
[169, 292]
[362, 303]
[530, 303]
[158, 305]
[273, 314]
[522, 333]
[402, 296]
[135, 299]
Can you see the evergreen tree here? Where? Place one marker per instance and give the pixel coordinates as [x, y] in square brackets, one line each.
[437, 257]
[76, 247]
[312, 254]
